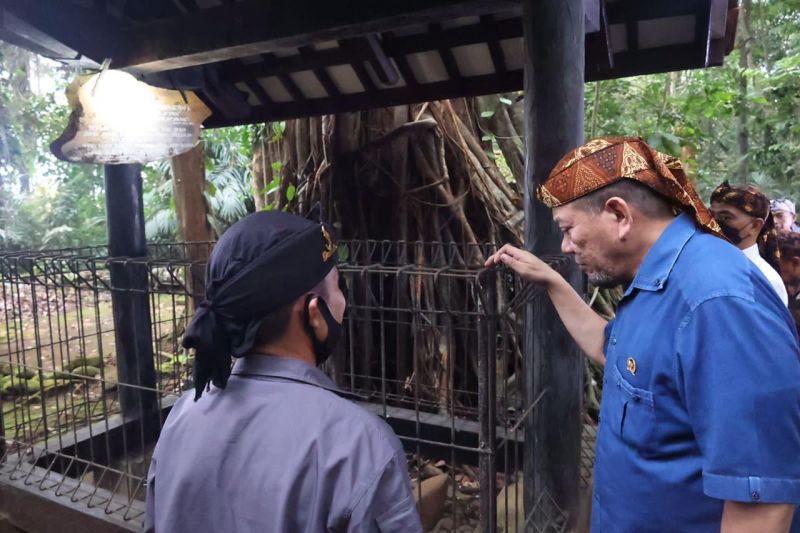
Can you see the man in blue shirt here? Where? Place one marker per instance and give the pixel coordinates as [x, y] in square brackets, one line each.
[700, 417]
[272, 446]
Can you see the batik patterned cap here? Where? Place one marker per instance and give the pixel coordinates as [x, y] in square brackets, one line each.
[606, 160]
[751, 201]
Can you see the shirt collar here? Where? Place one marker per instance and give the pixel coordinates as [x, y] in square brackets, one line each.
[282, 368]
[659, 261]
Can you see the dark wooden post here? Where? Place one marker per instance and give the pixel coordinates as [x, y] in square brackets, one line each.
[554, 70]
[132, 331]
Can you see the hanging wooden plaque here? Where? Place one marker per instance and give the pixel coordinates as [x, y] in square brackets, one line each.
[118, 119]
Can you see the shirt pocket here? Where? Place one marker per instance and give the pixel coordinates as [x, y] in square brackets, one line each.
[633, 414]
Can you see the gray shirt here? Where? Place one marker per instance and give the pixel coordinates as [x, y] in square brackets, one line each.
[278, 450]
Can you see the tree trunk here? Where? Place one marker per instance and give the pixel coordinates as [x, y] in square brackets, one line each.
[745, 37]
[189, 184]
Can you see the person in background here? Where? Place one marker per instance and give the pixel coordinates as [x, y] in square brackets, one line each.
[744, 216]
[700, 417]
[790, 272]
[783, 211]
[271, 445]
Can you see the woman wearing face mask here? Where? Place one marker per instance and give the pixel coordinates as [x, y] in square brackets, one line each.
[743, 214]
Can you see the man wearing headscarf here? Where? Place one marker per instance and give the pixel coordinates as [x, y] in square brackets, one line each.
[271, 444]
[744, 217]
[785, 215]
[700, 417]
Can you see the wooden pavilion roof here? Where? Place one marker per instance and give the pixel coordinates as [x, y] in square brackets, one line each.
[262, 60]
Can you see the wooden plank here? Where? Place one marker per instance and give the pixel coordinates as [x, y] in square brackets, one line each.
[205, 36]
[472, 86]
[554, 85]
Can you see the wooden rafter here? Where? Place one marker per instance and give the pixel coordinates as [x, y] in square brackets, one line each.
[357, 65]
[92, 34]
[259, 92]
[472, 86]
[395, 47]
[321, 74]
[446, 53]
[383, 66]
[205, 36]
[495, 50]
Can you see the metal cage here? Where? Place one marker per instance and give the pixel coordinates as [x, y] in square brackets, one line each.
[92, 363]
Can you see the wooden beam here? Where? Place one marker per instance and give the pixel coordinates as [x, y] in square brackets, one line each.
[554, 85]
[473, 86]
[358, 66]
[495, 50]
[446, 53]
[82, 29]
[599, 54]
[653, 61]
[381, 64]
[322, 75]
[389, 39]
[259, 92]
[394, 46]
[621, 11]
[205, 36]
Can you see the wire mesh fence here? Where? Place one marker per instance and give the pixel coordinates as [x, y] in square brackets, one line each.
[91, 362]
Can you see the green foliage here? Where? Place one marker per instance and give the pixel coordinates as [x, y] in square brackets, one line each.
[698, 115]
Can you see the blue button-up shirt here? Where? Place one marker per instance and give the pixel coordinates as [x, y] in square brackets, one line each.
[278, 450]
[701, 395]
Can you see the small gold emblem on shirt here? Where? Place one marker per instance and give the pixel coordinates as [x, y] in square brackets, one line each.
[330, 248]
[632, 365]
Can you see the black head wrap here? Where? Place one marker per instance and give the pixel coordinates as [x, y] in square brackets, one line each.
[262, 263]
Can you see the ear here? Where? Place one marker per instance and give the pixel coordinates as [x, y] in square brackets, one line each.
[315, 319]
[757, 224]
[795, 262]
[622, 213]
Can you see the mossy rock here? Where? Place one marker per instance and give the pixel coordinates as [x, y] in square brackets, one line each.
[88, 371]
[13, 386]
[5, 369]
[51, 384]
[25, 373]
[95, 361]
[166, 368]
[33, 386]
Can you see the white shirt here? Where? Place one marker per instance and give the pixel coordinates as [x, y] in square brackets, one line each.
[770, 273]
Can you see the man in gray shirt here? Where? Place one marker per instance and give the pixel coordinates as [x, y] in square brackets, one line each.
[272, 446]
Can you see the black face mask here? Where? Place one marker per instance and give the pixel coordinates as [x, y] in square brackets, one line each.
[731, 233]
[323, 349]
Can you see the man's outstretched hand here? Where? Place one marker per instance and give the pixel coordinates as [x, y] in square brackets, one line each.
[528, 266]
